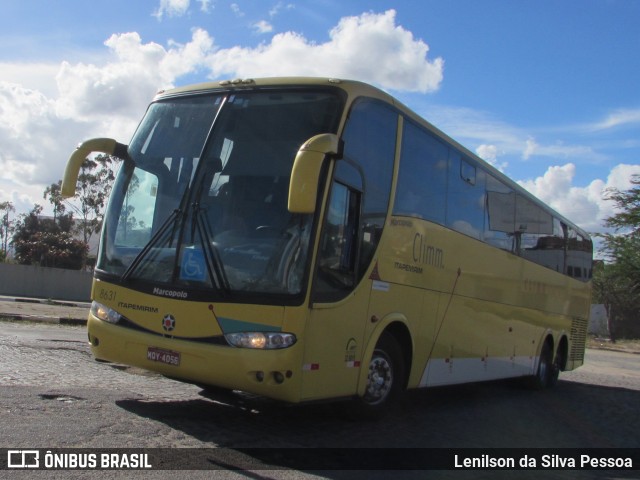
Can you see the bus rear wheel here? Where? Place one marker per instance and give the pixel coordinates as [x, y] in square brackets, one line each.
[385, 377]
[547, 372]
[556, 367]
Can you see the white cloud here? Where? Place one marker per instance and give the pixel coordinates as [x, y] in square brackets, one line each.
[584, 206]
[235, 8]
[618, 118]
[369, 47]
[121, 87]
[35, 76]
[490, 153]
[182, 59]
[558, 150]
[172, 8]
[487, 152]
[262, 27]
[530, 149]
[32, 138]
[205, 6]
[278, 7]
[30, 134]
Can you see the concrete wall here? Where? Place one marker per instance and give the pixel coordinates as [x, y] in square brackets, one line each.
[40, 282]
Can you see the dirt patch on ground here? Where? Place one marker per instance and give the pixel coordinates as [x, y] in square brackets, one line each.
[628, 346]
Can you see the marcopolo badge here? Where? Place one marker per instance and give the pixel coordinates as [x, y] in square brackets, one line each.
[168, 322]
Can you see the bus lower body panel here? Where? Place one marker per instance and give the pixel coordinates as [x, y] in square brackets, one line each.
[271, 373]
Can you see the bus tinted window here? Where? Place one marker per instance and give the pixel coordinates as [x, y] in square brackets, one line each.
[538, 240]
[370, 142]
[501, 209]
[466, 197]
[422, 180]
[579, 255]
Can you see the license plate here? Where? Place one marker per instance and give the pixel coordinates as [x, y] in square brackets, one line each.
[161, 355]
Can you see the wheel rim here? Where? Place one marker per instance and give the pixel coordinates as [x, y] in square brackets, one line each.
[542, 370]
[379, 379]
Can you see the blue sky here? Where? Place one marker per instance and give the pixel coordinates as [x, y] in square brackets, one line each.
[547, 91]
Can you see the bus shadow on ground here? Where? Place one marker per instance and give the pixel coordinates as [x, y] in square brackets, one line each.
[488, 415]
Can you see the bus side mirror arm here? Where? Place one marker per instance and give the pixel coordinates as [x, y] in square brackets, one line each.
[305, 175]
[101, 145]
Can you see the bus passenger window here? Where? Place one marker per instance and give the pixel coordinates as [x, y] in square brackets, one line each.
[468, 172]
[500, 215]
[422, 179]
[370, 143]
[465, 197]
[579, 255]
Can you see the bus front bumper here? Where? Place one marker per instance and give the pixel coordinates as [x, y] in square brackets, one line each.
[270, 373]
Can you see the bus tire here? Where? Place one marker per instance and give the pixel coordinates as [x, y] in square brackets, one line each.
[542, 378]
[385, 377]
[556, 367]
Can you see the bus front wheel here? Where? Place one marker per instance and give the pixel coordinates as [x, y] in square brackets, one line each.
[384, 376]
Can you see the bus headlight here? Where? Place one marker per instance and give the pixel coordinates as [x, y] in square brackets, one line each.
[104, 313]
[261, 340]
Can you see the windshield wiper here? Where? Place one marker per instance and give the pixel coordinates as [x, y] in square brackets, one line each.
[171, 221]
[214, 263]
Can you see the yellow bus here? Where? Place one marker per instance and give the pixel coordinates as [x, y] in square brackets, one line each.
[307, 239]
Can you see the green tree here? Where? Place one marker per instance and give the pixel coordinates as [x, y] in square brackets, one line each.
[54, 195]
[92, 191]
[617, 282]
[93, 187]
[6, 228]
[48, 243]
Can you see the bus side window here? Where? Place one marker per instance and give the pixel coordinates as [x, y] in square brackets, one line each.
[422, 178]
[465, 197]
[338, 245]
[579, 255]
[500, 215]
[370, 143]
[541, 239]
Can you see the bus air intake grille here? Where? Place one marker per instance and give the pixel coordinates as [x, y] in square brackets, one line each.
[578, 339]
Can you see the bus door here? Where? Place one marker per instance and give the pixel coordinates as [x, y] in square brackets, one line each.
[334, 332]
[352, 228]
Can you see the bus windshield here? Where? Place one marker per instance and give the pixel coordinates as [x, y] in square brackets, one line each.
[202, 201]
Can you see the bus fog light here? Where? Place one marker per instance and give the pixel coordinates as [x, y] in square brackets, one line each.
[278, 377]
[261, 340]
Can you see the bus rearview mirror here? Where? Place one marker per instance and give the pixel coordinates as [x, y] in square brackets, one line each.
[98, 145]
[305, 175]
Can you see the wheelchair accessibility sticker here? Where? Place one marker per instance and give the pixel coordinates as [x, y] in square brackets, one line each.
[193, 265]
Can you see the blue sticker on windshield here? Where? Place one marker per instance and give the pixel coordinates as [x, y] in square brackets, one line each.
[193, 266]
